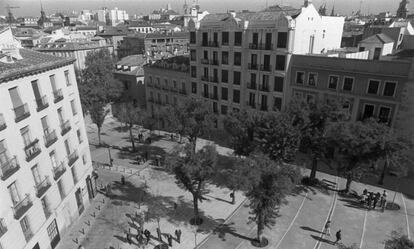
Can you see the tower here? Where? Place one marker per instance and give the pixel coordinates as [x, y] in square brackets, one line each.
[322, 9]
[333, 9]
[402, 9]
[307, 2]
[185, 7]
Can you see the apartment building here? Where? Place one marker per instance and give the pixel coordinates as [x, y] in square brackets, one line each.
[370, 88]
[242, 58]
[45, 165]
[166, 81]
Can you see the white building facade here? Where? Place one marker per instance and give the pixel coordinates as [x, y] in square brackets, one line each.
[46, 177]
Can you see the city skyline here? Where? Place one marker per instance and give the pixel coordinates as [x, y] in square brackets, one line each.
[32, 7]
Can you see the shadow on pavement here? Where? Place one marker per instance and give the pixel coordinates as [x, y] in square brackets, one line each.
[310, 229]
[224, 229]
[322, 239]
[352, 203]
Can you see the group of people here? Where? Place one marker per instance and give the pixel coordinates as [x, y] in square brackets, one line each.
[371, 200]
[144, 236]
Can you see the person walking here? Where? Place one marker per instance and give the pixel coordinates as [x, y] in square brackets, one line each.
[338, 237]
[169, 238]
[147, 235]
[383, 201]
[178, 234]
[327, 229]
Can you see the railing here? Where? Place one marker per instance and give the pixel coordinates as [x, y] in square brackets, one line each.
[157, 86]
[204, 61]
[261, 46]
[32, 150]
[252, 66]
[214, 62]
[251, 104]
[213, 79]
[251, 85]
[3, 227]
[266, 68]
[58, 171]
[165, 88]
[21, 112]
[22, 206]
[204, 78]
[210, 44]
[50, 138]
[183, 91]
[42, 103]
[264, 88]
[9, 168]
[237, 43]
[73, 157]
[214, 96]
[3, 124]
[42, 187]
[65, 127]
[58, 95]
[205, 94]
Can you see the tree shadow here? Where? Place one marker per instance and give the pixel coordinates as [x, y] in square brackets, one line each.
[120, 128]
[311, 229]
[322, 239]
[219, 199]
[224, 229]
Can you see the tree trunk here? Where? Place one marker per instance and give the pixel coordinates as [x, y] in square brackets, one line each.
[259, 227]
[348, 182]
[195, 203]
[384, 169]
[132, 138]
[314, 167]
[99, 135]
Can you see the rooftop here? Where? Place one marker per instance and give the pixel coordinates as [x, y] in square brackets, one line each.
[177, 63]
[134, 61]
[65, 46]
[378, 38]
[32, 62]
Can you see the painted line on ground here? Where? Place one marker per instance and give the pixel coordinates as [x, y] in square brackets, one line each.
[331, 211]
[293, 220]
[225, 221]
[249, 232]
[363, 230]
[406, 216]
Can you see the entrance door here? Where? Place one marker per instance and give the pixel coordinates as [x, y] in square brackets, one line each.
[79, 202]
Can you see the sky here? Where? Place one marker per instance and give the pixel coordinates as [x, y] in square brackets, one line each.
[32, 7]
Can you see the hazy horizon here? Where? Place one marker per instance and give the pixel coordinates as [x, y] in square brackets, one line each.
[32, 7]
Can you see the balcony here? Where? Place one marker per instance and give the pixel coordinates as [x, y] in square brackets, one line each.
[253, 66]
[251, 85]
[264, 88]
[42, 187]
[165, 88]
[50, 138]
[261, 46]
[183, 91]
[210, 44]
[22, 206]
[3, 124]
[205, 95]
[157, 86]
[214, 62]
[58, 95]
[3, 227]
[59, 171]
[205, 78]
[9, 168]
[73, 157]
[21, 112]
[266, 68]
[205, 61]
[251, 104]
[213, 79]
[32, 150]
[42, 103]
[65, 127]
[213, 96]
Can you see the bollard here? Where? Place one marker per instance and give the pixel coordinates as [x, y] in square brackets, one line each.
[93, 215]
[82, 231]
[103, 200]
[75, 240]
[88, 223]
[98, 207]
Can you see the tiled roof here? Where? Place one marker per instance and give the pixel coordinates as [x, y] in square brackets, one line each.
[382, 38]
[68, 46]
[32, 62]
[167, 35]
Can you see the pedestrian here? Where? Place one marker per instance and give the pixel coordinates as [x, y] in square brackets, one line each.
[376, 199]
[169, 238]
[369, 200]
[128, 238]
[178, 234]
[327, 229]
[123, 180]
[172, 137]
[147, 235]
[383, 201]
[338, 237]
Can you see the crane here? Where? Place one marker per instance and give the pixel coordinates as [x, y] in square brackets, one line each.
[10, 17]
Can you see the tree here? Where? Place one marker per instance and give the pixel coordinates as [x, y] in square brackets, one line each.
[131, 115]
[398, 241]
[241, 125]
[277, 137]
[98, 114]
[191, 118]
[98, 86]
[269, 182]
[192, 170]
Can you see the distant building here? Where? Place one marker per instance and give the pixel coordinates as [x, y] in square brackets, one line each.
[113, 36]
[129, 70]
[378, 45]
[29, 37]
[166, 82]
[402, 10]
[140, 27]
[117, 16]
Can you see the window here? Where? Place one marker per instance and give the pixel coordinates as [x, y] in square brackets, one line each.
[193, 87]
[368, 111]
[300, 77]
[224, 109]
[225, 57]
[280, 62]
[205, 93]
[277, 103]
[193, 56]
[53, 232]
[225, 38]
[237, 58]
[224, 76]
[361, 49]
[192, 37]
[384, 114]
[167, 100]
[125, 84]
[389, 89]
[377, 53]
[237, 38]
[53, 82]
[174, 84]
[215, 107]
[373, 86]
[193, 71]
[68, 83]
[61, 189]
[73, 106]
[348, 84]
[36, 174]
[24, 223]
[282, 39]
[78, 133]
[53, 159]
[224, 93]
[278, 87]
[333, 82]
[14, 193]
[236, 77]
[312, 79]
[236, 96]
[26, 135]
[205, 54]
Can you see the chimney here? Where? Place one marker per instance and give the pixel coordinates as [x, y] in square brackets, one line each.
[307, 2]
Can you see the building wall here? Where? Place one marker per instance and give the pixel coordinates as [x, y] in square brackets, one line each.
[134, 89]
[65, 210]
[386, 48]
